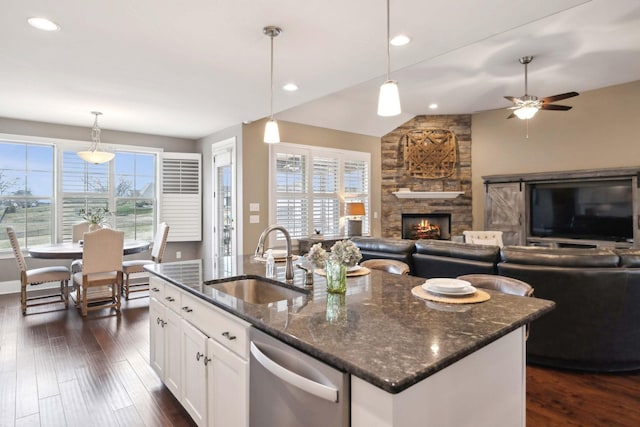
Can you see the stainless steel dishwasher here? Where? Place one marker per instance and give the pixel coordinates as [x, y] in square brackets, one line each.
[290, 388]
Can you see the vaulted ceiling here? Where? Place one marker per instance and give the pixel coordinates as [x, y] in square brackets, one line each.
[189, 69]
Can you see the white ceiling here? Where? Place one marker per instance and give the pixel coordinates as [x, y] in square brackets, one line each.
[189, 69]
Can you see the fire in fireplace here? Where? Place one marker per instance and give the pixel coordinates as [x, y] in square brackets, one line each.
[426, 226]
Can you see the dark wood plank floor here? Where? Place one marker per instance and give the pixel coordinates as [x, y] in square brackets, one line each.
[58, 369]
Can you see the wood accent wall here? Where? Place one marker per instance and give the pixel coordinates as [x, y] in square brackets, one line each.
[395, 175]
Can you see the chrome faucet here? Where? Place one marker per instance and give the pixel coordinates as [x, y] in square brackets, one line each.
[288, 275]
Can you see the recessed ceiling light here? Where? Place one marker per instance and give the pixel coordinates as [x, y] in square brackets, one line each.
[290, 87]
[43, 24]
[400, 40]
[433, 106]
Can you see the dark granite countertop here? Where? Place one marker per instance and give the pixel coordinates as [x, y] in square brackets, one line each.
[378, 331]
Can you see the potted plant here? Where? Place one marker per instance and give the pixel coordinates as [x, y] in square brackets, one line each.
[97, 218]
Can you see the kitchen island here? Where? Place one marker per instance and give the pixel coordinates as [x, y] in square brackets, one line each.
[410, 362]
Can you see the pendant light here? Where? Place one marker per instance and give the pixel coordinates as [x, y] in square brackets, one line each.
[271, 132]
[389, 99]
[94, 154]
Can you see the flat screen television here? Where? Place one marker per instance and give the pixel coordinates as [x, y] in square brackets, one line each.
[601, 210]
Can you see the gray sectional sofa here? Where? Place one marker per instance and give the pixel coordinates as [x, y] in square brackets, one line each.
[596, 323]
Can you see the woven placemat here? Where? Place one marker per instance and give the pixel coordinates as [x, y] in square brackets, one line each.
[478, 296]
[362, 271]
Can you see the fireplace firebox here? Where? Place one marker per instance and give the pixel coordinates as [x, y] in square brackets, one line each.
[426, 226]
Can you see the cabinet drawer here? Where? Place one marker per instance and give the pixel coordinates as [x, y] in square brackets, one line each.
[156, 288]
[172, 298]
[224, 328]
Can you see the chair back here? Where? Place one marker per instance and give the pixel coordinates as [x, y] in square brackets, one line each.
[16, 249]
[389, 265]
[160, 242]
[506, 285]
[493, 238]
[102, 251]
[78, 230]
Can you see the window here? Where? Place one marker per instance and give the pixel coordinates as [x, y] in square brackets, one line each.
[26, 192]
[44, 184]
[125, 186]
[312, 185]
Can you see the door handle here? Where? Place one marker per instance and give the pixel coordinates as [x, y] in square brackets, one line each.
[228, 336]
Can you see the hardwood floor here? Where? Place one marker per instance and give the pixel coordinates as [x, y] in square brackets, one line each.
[58, 369]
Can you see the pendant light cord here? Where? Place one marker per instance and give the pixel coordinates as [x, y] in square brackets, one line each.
[271, 80]
[388, 44]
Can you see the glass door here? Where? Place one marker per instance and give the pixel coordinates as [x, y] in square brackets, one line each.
[224, 206]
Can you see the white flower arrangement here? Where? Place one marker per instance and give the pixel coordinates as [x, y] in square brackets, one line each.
[98, 216]
[317, 255]
[345, 252]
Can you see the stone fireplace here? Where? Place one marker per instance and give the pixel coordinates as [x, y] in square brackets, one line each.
[426, 226]
[457, 211]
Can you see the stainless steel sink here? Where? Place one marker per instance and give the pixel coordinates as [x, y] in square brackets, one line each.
[256, 291]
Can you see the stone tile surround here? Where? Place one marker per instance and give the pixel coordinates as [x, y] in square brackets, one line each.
[395, 175]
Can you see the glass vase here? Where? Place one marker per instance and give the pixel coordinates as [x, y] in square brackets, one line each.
[336, 277]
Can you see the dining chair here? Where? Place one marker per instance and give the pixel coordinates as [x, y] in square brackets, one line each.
[78, 230]
[99, 283]
[38, 276]
[137, 265]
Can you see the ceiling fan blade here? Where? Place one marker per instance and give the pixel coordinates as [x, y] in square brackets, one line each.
[511, 98]
[511, 116]
[554, 98]
[555, 107]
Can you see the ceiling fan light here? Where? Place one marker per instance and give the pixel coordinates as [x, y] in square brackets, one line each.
[271, 132]
[526, 113]
[389, 99]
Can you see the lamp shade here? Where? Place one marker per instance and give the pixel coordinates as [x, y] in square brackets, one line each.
[389, 99]
[271, 132]
[355, 209]
[526, 112]
[95, 156]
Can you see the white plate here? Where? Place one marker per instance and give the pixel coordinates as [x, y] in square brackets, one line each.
[353, 268]
[445, 284]
[469, 290]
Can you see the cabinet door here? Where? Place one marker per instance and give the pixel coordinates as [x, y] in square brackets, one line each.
[156, 336]
[194, 375]
[228, 387]
[505, 211]
[172, 353]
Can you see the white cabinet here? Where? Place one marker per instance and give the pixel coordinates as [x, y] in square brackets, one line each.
[201, 354]
[194, 372]
[227, 387]
[157, 321]
[173, 354]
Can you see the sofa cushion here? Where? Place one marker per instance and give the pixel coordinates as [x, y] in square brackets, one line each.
[629, 258]
[377, 247]
[445, 248]
[560, 257]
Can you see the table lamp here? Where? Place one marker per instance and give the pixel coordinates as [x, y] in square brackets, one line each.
[355, 211]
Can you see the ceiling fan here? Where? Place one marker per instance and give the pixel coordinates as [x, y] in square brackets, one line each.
[526, 106]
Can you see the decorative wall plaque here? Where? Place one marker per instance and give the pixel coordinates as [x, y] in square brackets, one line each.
[430, 153]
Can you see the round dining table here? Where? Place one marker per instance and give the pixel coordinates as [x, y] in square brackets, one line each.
[70, 250]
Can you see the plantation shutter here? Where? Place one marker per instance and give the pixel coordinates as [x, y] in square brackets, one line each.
[326, 201]
[292, 202]
[356, 186]
[181, 201]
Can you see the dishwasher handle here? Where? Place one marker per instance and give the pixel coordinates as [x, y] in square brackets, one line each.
[320, 390]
